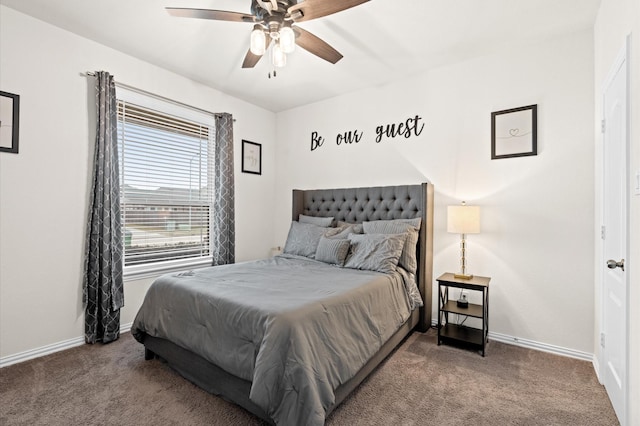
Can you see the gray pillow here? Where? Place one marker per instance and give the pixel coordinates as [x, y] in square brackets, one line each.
[408, 258]
[303, 239]
[315, 220]
[375, 252]
[332, 251]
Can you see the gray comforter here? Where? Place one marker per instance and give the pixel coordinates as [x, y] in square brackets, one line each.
[296, 328]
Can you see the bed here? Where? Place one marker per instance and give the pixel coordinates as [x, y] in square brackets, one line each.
[289, 338]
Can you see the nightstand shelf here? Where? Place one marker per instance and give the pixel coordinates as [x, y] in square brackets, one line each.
[455, 333]
[473, 310]
[461, 333]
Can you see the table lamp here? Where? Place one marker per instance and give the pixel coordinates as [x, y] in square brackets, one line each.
[463, 220]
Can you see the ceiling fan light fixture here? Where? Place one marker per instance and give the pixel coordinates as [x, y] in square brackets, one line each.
[273, 27]
[273, 22]
[287, 39]
[278, 57]
[258, 41]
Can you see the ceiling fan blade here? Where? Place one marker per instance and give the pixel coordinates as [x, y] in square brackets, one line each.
[317, 46]
[250, 60]
[218, 15]
[312, 9]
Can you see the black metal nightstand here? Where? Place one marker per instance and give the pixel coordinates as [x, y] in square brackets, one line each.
[449, 332]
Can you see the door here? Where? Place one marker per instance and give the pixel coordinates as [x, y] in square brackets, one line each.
[615, 237]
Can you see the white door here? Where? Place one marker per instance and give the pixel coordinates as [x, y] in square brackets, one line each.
[615, 190]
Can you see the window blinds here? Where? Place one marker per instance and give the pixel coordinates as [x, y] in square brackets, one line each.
[166, 170]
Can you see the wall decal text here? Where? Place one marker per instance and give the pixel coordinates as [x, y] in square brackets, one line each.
[316, 141]
[407, 129]
[412, 126]
[349, 137]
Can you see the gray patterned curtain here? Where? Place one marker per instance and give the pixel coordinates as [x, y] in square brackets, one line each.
[103, 287]
[224, 234]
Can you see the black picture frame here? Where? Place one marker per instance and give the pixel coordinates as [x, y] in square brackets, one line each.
[251, 157]
[9, 122]
[514, 132]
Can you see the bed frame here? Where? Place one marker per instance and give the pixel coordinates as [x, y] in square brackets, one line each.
[348, 205]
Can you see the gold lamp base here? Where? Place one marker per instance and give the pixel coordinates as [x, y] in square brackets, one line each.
[463, 276]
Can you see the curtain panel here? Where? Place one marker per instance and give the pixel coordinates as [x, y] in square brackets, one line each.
[224, 238]
[103, 291]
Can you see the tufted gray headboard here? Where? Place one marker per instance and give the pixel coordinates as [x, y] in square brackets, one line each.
[356, 205]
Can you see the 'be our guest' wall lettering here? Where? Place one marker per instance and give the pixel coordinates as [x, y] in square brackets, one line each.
[410, 127]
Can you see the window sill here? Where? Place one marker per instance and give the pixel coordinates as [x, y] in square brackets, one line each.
[138, 272]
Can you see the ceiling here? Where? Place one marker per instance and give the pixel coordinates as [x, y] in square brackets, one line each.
[381, 40]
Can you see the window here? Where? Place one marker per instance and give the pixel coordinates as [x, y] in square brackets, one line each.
[166, 169]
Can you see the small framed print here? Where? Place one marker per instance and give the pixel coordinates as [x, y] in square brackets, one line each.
[9, 122]
[514, 132]
[251, 157]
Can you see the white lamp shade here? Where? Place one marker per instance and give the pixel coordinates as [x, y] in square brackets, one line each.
[463, 219]
[278, 57]
[287, 39]
[258, 41]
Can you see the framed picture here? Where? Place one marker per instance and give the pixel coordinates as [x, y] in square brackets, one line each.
[9, 121]
[514, 132]
[251, 157]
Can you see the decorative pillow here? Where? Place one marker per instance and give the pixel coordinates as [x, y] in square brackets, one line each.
[398, 226]
[341, 232]
[316, 220]
[357, 227]
[375, 252]
[303, 239]
[332, 251]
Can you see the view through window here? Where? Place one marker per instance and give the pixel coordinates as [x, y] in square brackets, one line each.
[166, 188]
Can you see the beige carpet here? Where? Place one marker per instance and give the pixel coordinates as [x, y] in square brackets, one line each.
[420, 384]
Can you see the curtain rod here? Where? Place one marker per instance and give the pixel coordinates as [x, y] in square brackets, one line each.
[153, 95]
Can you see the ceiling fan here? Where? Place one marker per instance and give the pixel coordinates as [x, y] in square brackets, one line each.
[274, 26]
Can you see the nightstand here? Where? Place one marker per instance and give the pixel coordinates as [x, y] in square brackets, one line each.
[455, 333]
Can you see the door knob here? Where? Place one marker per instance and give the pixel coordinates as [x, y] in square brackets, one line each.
[612, 264]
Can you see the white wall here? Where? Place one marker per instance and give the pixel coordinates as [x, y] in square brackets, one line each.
[43, 189]
[536, 212]
[616, 19]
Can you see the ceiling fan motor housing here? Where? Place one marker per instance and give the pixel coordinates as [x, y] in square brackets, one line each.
[261, 9]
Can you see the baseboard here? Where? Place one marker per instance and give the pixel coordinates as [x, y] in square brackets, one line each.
[544, 347]
[596, 366]
[498, 337]
[538, 346]
[49, 349]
